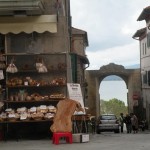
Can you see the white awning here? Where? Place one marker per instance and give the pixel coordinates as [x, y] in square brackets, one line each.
[28, 24]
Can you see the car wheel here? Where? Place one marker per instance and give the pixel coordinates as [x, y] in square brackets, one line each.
[116, 131]
[98, 132]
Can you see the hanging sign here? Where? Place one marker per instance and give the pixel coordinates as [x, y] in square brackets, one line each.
[136, 96]
[74, 92]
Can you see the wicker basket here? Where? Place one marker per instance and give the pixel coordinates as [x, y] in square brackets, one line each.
[37, 118]
[38, 98]
[12, 119]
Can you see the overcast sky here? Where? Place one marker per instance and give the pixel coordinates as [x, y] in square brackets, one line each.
[110, 25]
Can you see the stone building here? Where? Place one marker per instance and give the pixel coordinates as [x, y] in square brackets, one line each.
[131, 77]
[143, 35]
[33, 31]
[44, 26]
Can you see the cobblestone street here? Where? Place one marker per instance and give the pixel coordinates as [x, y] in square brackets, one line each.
[104, 141]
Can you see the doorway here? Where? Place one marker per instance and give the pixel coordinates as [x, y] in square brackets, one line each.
[113, 95]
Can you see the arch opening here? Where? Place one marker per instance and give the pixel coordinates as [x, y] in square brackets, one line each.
[113, 88]
[95, 77]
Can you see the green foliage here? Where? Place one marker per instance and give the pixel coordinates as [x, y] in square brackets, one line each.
[113, 106]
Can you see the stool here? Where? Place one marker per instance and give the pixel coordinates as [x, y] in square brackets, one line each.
[58, 135]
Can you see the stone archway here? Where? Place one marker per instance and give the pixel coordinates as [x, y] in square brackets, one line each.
[130, 76]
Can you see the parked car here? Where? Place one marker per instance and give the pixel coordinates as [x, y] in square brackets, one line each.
[108, 122]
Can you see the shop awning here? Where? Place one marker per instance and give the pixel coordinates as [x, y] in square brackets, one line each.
[144, 14]
[28, 24]
[30, 7]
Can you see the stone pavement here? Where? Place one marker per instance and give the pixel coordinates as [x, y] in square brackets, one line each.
[104, 141]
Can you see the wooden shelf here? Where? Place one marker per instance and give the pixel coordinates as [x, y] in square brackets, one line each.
[56, 64]
[33, 101]
[29, 86]
[28, 54]
[26, 121]
[35, 71]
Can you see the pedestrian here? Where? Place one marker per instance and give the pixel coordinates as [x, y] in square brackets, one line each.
[128, 123]
[134, 122]
[93, 124]
[121, 121]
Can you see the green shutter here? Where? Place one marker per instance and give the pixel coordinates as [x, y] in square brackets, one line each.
[74, 67]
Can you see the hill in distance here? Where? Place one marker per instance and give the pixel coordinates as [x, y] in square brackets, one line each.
[136, 66]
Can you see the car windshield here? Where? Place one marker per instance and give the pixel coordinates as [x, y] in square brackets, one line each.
[107, 117]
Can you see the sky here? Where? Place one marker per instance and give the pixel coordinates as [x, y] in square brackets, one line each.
[110, 25]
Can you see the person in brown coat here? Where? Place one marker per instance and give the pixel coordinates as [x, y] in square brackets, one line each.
[134, 122]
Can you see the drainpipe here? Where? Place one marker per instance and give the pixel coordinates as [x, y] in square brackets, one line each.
[68, 19]
[87, 66]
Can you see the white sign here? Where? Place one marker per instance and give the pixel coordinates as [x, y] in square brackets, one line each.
[74, 92]
[1, 75]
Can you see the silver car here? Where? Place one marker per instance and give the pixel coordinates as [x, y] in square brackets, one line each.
[107, 122]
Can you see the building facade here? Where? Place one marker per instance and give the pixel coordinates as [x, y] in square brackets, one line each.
[131, 77]
[32, 32]
[143, 35]
[44, 26]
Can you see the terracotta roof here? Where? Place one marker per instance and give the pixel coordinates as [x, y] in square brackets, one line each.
[145, 14]
[76, 31]
[139, 33]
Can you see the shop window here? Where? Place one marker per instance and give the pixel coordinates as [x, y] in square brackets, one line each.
[145, 78]
[145, 49]
[148, 39]
[149, 78]
[141, 48]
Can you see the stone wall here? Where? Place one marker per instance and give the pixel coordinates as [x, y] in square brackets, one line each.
[131, 78]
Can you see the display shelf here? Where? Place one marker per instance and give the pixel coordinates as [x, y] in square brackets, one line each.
[34, 101]
[27, 121]
[35, 86]
[26, 54]
[35, 71]
[42, 83]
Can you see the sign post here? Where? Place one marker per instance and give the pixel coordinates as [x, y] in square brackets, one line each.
[74, 92]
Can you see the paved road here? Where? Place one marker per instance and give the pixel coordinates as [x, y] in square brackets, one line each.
[104, 141]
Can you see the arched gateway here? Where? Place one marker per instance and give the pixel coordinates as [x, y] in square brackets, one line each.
[131, 78]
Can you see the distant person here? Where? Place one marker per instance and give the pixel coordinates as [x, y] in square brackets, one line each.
[134, 122]
[127, 121]
[121, 121]
[93, 123]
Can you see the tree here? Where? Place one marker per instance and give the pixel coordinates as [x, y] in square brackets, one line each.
[113, 106]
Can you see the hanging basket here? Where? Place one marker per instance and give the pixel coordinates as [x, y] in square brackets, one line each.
[40, 66]
[12, 67]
